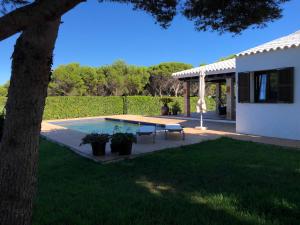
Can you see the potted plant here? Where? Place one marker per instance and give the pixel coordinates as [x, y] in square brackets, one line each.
[97, 141]
[176, 108]
[165, 108]
[122, 143]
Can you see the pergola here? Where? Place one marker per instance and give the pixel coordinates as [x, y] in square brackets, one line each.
[219, 72]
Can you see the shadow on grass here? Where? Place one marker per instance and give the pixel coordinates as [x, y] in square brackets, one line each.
[215, 182]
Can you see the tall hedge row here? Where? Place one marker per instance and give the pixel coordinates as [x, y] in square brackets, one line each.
[75, 106]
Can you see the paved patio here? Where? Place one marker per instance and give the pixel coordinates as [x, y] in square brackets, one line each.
[72, 139]
[209, 115]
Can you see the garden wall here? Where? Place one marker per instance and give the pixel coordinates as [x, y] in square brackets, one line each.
[84, 106]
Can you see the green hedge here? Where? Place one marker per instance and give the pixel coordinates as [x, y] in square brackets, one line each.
[75, 106]
[2, 103]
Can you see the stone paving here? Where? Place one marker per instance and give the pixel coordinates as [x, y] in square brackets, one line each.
[72, 139]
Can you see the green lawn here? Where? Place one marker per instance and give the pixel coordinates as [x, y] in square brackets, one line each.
[215, 182]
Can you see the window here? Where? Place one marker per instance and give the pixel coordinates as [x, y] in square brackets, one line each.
[244, 87]
[274, 86]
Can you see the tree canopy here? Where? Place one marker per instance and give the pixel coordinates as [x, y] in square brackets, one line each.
[116, 79]
[218, 15]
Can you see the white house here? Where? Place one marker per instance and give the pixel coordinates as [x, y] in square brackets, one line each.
[267, 101]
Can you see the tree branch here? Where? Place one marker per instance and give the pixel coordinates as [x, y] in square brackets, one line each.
[36, 13]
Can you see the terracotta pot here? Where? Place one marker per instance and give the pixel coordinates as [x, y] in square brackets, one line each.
[222, 110]
[98, 149]
[115, 148]
[165, 110]
[125, 149]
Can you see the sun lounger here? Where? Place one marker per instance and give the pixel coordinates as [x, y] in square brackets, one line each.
[147, 130]
[172, 128]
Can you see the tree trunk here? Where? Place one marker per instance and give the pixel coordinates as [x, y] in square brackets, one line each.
[31, 66]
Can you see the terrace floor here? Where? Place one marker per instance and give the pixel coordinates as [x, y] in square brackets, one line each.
[215, 130]
[209, 115]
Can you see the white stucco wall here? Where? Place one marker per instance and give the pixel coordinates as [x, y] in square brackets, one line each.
[273, 120]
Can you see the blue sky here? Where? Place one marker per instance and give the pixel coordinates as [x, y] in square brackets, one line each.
[96, 34]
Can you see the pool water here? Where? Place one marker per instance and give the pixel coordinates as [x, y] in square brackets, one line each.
[99, 126]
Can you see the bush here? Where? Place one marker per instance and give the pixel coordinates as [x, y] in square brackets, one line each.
[176, 108]
[95, 138]
[165, 100]
[77, 106]
[85, 106]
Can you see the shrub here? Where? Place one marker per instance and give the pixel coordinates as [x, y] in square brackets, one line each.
[165, 101]
[85, 106]
[77, 106]
[95, 138]
[176, 108]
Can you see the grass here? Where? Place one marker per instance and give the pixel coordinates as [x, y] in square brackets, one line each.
[224, 182]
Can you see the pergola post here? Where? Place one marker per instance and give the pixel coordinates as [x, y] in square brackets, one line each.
[187, 104]
[218, 97]
[230, 104]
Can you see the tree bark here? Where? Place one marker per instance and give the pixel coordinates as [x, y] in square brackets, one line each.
[31, 67]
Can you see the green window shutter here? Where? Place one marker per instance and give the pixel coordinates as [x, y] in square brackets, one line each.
[244, 87]
[286, 85]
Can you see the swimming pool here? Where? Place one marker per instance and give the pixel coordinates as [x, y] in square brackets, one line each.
[102, 125]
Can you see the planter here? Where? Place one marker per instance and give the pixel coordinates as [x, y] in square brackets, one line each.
[125, 148]
[98, 149]
[165, 110]
[115, 148]
[222, 110]
[175, 113]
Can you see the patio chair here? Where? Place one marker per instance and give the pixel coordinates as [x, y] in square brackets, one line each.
[147, 130]
[174, 128]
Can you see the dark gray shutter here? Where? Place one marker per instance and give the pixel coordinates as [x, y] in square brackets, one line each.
[244, 87]
[286, 85]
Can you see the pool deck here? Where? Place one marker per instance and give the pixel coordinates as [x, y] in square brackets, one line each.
[72, 139]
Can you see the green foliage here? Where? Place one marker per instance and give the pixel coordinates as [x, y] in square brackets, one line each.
[165, 101]
[136, 80]
[147, 105]
[94, 80]
[116, 79]
[115, 76]
[4, 89]
[123, 138]
[226, 58]
[76, 106]
[2, 103]
[67, 80]
[223, 16]
[176, 107]
[95, 138]
[161, 81]
[232, 15]
[166, 69]
[63, 107]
